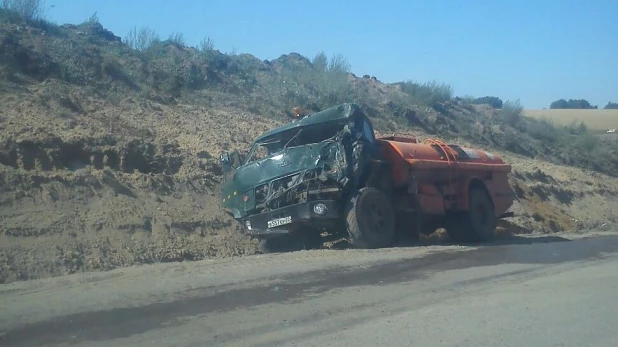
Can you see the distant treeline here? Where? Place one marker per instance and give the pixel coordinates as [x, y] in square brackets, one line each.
[579, 104]
[611, 106]
[576, 104]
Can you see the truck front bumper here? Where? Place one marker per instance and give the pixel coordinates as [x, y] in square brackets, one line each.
[288, 218]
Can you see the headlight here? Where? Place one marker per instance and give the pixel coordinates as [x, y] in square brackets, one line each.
[248, 225]
[319, 209]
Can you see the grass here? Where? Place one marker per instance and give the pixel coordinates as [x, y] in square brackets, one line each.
[429, 94]
[595, 120]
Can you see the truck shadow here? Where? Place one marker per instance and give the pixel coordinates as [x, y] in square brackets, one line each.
[506, 234]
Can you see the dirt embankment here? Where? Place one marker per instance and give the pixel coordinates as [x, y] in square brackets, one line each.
[93, 176]
[104, 185]
[554, 198]
[88, 184]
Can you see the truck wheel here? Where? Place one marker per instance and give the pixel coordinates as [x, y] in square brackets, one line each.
[476, 225]
[370, 220]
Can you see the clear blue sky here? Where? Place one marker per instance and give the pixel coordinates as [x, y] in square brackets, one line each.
[537, 51]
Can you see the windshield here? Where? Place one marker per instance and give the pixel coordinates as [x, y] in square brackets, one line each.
[293, 138]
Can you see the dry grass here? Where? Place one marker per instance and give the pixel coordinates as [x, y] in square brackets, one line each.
[594, 119]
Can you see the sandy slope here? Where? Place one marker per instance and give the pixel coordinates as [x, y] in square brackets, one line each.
[112, 185]
[91, 184]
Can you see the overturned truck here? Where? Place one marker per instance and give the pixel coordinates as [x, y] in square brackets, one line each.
[329, 172]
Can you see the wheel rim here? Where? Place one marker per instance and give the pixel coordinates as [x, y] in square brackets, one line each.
[481, 215]
[376, 217]
[482, 218]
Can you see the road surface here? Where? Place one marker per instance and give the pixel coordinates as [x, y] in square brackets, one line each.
[550, 292]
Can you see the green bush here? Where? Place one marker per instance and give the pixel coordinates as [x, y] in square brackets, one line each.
[206, 45]
[141, 39]
[430, 94]
[511, 112]
[576, 129]
[587, 142]
[178, 39]
[26, 9]
[312, 85]
[492, 101]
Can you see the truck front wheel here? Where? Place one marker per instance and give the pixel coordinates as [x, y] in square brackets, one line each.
[370, 220]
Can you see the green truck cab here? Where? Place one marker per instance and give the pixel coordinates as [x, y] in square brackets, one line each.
[294, 180]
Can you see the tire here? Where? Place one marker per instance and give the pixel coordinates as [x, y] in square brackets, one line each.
[298, 241]
[478, 223]
[370, 220]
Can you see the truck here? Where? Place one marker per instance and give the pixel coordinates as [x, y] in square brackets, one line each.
[329, 172]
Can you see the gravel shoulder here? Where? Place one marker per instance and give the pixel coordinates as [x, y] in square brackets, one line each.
[134, 305]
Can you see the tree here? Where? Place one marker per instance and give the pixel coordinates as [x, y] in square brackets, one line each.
[559, 104]
[572, 104]
[611, 106]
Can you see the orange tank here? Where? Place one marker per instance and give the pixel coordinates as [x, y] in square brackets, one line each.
[438, 170]
[431, 160]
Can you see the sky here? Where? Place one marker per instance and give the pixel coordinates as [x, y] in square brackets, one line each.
[535, 51]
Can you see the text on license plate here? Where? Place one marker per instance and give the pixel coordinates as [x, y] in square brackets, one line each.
[279, 221]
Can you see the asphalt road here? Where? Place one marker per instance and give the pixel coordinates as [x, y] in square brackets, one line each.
[552, 292]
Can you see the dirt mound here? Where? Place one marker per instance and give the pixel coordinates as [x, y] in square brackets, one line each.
[115, 185]
[93, 184]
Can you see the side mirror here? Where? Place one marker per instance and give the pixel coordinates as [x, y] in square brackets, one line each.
[225, 157]
[226, 163]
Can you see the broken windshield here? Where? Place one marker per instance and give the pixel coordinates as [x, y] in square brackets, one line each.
[292, 138]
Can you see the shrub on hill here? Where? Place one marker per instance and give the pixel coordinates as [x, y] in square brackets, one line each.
[492, 101]
[511, 112]
[429, 94]
[28, 10]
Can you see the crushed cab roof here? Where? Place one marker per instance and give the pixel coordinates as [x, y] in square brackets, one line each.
[335, 113]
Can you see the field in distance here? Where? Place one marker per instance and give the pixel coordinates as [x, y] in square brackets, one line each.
[595, 120]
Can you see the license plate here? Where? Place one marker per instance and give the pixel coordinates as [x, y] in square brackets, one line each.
[279, 221]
